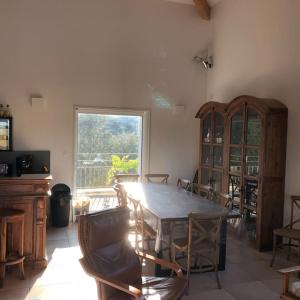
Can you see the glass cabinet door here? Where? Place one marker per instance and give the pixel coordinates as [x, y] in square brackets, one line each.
[244, 158]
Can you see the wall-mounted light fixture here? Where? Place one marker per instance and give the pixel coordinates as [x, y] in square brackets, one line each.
[38, 103]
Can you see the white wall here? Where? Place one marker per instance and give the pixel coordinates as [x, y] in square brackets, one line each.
[106, 53]
[256, 46]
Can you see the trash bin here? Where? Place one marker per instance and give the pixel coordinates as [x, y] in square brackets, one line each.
[60, 205]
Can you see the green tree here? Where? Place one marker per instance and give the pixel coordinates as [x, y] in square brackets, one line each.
[121, 165]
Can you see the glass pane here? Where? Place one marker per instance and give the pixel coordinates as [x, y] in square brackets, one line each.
[235, 163]
[204, 176]
[219, 128]
[4, 134]
[250, 204]
[217, 181]
[206, 155]
[253, 128]
[251, 191]
[237, 125]
[207, 133]
[218, 156]
[252, 162]
[234, 189]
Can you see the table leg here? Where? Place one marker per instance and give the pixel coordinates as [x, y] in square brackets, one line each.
[158, 270]
[222, 247]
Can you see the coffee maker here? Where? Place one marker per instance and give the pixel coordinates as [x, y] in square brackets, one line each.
[24, 165]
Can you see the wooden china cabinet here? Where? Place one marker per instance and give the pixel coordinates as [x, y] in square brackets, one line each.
[252, 170]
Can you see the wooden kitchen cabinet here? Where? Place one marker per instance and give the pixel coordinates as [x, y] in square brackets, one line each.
[30, 194]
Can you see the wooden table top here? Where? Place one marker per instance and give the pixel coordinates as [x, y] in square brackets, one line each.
[170, 202]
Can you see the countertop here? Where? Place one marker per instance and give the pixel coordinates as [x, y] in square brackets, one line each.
[28, 177]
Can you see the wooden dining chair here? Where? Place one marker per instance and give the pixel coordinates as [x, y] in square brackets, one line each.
[234, 217]
[222, 198]
[183, 183]
[116, 266]
[142, 228]
[288, 293]
[201, 244]
[157, 178]
[126, 177]
[121, 194]
[205, 191]
[288, 232]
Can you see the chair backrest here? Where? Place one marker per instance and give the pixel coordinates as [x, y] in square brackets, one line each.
[205, 191]
[184, 183]
[138, 215]
[157, 178]
[223, 199]
[295, 205]
[204, 230]
[121, 194]
[126, 177]
[103, 239]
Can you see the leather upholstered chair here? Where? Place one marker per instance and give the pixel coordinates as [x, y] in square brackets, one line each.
[109, 258]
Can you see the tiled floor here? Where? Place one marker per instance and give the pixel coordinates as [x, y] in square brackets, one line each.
[247, 276]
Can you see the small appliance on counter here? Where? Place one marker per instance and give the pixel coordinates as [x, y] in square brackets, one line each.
[5, 169]
[24, 165]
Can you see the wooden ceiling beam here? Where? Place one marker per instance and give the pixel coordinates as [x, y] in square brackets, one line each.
[203, 9]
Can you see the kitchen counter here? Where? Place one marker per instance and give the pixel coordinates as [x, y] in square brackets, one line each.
[27, 177]
[29, 193]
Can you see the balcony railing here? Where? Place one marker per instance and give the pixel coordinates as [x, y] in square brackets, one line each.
[92, 169]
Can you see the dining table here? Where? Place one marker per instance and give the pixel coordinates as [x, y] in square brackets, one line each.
[166, 204]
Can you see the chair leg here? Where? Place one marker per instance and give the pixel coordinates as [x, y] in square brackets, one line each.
[21, 270]
[3, 231]
[274, 250]
[148, 245]
[2, 274]
[217, 277]
[21, 250]
[289, 249]
[173, 254]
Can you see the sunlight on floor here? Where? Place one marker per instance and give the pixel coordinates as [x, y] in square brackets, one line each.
[246, 271]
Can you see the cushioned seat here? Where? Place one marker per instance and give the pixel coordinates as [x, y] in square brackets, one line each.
[162, 288]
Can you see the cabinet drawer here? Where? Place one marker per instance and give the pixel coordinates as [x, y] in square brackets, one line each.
[16, 188]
